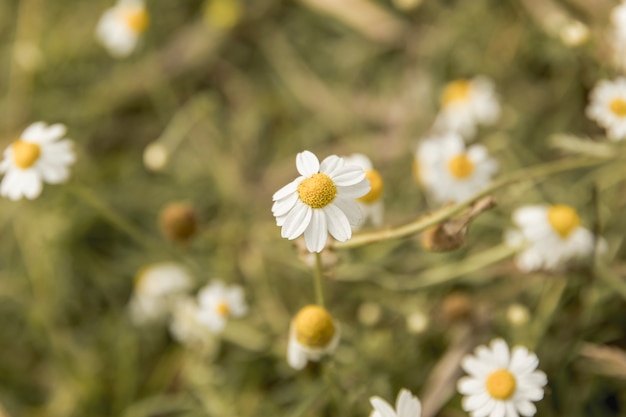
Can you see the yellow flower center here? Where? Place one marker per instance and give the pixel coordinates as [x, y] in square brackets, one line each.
[317, 191]
[376, 187]
[563, 219]
[460, 167]
[136, 18]
[314, 326]
[455, 91]
[500, 384]
[618, 107]
[25, 154]
[223, 309]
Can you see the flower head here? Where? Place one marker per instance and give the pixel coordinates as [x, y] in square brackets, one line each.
[121, 26]
[551, 237]
[185, 326]
[407, 405]
[38, 156]
[218, 302]
[371, 204]
[501, 383]
[608, 107]
[451, 172]
[320, 201]
[313, 332]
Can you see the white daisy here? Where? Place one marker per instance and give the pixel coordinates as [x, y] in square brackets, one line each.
[608, 107]
[467, 103]
[550, 237]
[371, 204]
[407, 405]
[38, 156]
[219, 302]
[320, 201]
[185, 326]
[312, 333]
[501, 383]
[451, 172]
[120, 27]
[157, 288]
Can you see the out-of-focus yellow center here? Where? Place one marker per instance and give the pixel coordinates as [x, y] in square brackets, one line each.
[223, 309]
[455, 91]
[501, 384]
[136, 18]
[318, 191]
[25, 154]
[314, 326]
[563, 219]
[223, 14]
[460, 167]
[618, 107]
[376, 187]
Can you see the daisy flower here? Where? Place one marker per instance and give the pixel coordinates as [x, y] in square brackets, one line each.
[451, 172]
[157, 288]
[407, 405]
[219, 302]
[38, 156]
[501, 383]
[312, 334]
[467, 103]
[320, 201]
[371, 204]
[185, 326]
[608, 107]
[121, 26]
[550, 237]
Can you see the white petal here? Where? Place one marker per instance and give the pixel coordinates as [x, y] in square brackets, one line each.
[526, 408]
[51, 133]
[338, 224]
[522, 361]
[511, 411]
[296, 357]
[485, 410]
[32, 184]
[477, 153]
[348, 175]
[296, 221]
[34, 131]
[282, 206]
[529, 215]
[316, 234]
[382, 407]
[307, 163]
[498, 410]
[331, 165]
[356, 190]
[288, 189]
[350, 208]
[470, 386]
[407, 405]
[474, 402]
[501, 352]
[476, 367]
[53, 174]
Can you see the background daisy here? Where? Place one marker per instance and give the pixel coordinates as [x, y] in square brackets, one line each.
[371, 204]
[407, 405]
[218, 302]
[607, 107]
[120, 27]
[313, 333]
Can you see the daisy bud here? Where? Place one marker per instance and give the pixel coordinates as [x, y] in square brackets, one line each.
[417, 322]
[155, 157]
[517, 314]
[313, 333]
[456, 307]
[178, 222]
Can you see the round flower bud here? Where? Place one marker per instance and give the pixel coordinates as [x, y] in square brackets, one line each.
[314, 326]
[456, 307]
[178, 222]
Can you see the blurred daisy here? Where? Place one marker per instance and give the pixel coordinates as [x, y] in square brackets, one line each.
[185, 326]
[550, 237]
[320, 201]
[608, 107]
[467, 103]
[451, 172]
[313, 333]
[371, 203]
[121, 26]
[157, 288]
[407, 405]
[501, 383]
[38, 156]
[219, 302]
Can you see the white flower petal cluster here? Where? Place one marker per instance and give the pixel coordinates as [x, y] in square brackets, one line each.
[449, 171]
[121, 26]
[320, 201]
[501, 382]
[313, 333]
[38, 156]
[550, 237]
[218, 302]
[371, 204]
[607, 107]
[407, 405]
[467, 103]
[184, 324]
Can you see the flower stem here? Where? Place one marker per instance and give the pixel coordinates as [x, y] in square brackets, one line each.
[317, 280]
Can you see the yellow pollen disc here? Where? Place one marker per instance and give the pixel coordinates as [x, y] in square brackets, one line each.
[618, 107]
[500, 384]
[25, 154]
[563, 219]
[317, 191]
[223, 309]
[314, 326]
[136, 18]
[376, 187]
[460, 167]
[455, 91]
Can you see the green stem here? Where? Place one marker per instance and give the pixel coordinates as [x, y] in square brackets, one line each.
[317, 280]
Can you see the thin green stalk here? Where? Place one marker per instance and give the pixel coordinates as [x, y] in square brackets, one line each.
[317, 280]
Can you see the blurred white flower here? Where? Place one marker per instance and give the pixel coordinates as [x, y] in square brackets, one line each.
[467, 103]
[156, 156]
[607, 107]
[501, 383]
[157, 288]
[549, 237]
[38, 156]
[407, 405]
[320, 201]
[451, 172]
[312, 333]
[185, 326]
[517, 314]
[219, 302]
[120, 27]
[371, 203]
